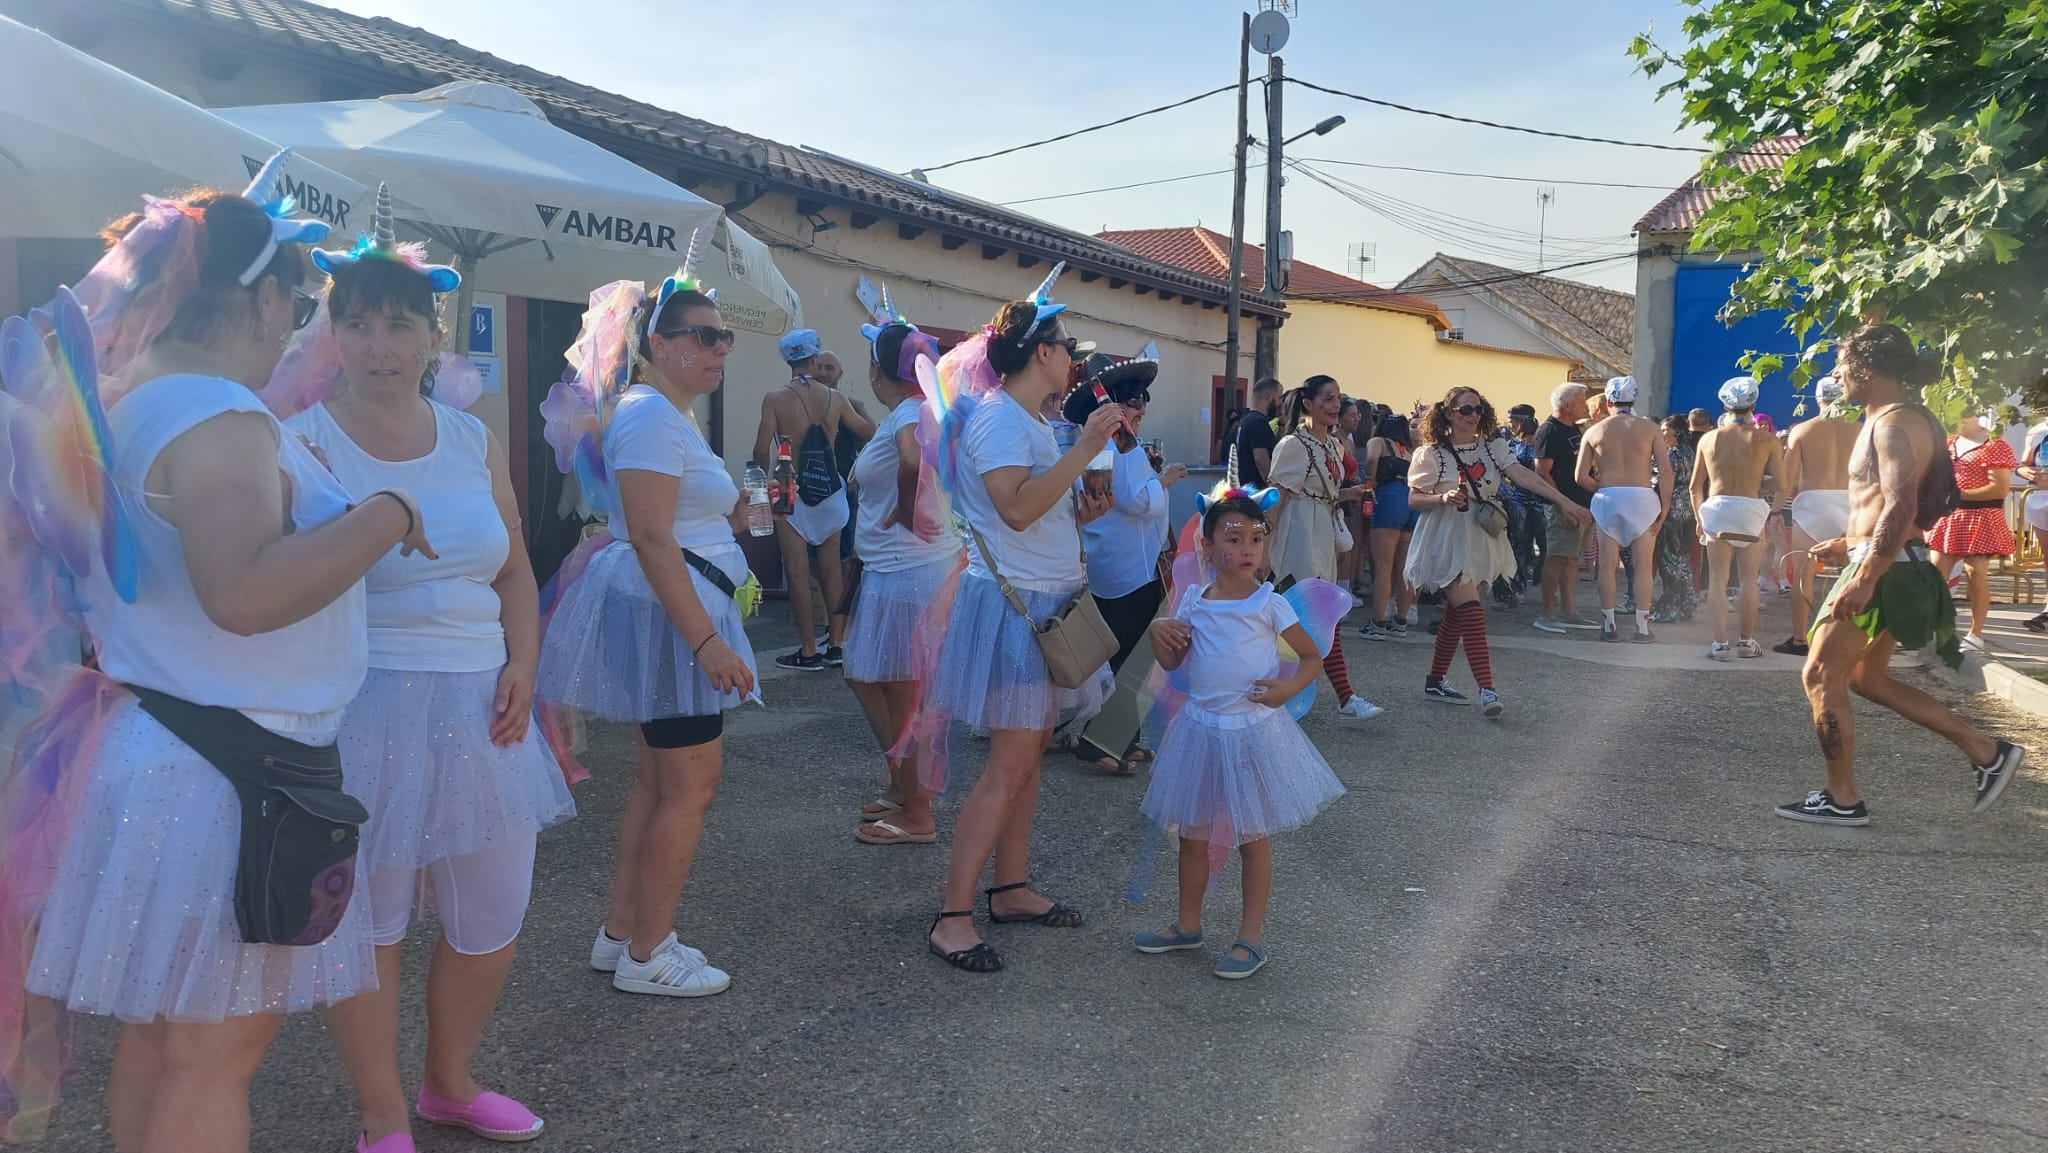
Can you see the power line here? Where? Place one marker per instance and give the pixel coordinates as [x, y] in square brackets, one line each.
[1495, 123]
[1120, 187]
[1455, 232]
[1487, 175]
[1080, 131]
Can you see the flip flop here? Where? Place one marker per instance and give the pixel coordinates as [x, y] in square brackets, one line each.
[884, 833]
[878, 809]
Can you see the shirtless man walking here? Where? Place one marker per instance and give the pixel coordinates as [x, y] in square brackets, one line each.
[1727, 489]
[1815, 498]
[1617, 461]
[1890, 595]
[809, 415]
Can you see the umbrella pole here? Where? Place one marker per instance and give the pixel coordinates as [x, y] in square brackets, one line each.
[465, 299]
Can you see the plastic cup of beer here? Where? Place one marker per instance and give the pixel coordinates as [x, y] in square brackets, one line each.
[1095, 481]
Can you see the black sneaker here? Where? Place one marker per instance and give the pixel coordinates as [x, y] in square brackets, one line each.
[1793, 647]
[835, 656]
[797, 660]
[1608, 632]
[2037, 624]
[1437, 690]
[1820, 809]
[1992, 778]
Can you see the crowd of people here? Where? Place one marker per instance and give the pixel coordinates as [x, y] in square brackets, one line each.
[317, 646]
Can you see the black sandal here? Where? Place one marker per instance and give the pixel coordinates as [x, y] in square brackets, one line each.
[982, 958]
[1058, 916]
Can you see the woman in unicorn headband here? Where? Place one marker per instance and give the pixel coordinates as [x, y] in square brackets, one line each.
[227, 596]
[1015, 490]
[438, 745]
[907, 554]
[651, 630]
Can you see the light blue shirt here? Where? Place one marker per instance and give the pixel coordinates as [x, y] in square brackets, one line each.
[1124, 543]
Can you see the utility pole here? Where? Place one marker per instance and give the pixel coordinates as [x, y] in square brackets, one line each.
[1268, 359]
[1244, 84]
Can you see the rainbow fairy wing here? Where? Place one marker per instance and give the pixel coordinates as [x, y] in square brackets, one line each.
[62, 473]
[1321, 607]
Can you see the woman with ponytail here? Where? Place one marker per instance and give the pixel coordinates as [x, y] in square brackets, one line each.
[228, 622]
[1308, 469]
[906, 554]
[651, 631]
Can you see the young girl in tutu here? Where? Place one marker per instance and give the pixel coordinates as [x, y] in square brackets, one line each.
[1233, 767]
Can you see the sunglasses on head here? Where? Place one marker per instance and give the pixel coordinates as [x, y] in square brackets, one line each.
[709, 336]
[303, 308]
[1467, 410]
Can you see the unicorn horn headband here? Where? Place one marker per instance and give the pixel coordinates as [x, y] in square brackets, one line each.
[381, 243]
[1043, 299]
[267, 191]
[685, 280]
[1265, 498]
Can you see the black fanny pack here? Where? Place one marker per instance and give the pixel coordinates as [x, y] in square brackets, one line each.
[1997, 504]
[712, 573]
[296, 867]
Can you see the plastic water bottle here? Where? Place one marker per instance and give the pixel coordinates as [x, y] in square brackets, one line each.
[760, 522]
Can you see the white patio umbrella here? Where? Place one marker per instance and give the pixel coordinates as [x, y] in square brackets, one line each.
[525, 207]
[81, 141]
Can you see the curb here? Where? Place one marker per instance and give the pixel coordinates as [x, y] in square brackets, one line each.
[1986, 675]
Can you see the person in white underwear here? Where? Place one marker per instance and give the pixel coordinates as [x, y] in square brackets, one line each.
[1816, 497]
[809, 415]
[1618, 465]
[1727, 489]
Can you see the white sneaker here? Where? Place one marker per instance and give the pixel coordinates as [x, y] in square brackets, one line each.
[1359, 708]
[1747, 649]
[605, 952]
[1413, 617]
[1976, 641]
[1489, 703]
[670, 972]
[1721, 651]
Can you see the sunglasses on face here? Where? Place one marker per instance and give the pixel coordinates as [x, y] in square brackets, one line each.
[1467, 410]
[1138, 401]
[1071, 343]
[709, 336]
[303, 308]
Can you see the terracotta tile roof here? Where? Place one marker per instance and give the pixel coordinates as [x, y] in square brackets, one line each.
[1597, 325]
[1681, 210]
[387, 57]
[1207, 252]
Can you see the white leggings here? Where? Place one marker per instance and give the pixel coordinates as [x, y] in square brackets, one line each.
[480, 898]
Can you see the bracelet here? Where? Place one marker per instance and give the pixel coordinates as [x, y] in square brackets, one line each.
[411, 522]
[705, 641]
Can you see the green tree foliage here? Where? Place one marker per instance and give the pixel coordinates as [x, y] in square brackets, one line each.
[1920, 194]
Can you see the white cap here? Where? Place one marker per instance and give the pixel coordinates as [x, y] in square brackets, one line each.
[1827, 390]
[1621, 389]
[1739, 392]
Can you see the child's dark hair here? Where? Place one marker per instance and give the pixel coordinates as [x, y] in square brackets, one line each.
[236, 231]
[1239, 504]
[667, 324]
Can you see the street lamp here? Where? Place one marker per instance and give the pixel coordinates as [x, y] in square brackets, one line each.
[1322, 129]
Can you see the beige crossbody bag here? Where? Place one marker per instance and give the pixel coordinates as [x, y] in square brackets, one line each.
[1075, 641]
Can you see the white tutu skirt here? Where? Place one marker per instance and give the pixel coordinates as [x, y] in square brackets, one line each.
[1236, 777]
[140, 922]
[881, 638]
[416, 751]
[1449, 546]
[611, 650]
[991, 674]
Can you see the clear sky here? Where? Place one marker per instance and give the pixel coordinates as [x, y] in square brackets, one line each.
[921, 83]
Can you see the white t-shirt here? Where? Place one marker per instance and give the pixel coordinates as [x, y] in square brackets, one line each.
[896, 548]
[1046, 556]
[1124, 543]
[440, 615]
[294, 680]
[1235, 643]
[649, 433]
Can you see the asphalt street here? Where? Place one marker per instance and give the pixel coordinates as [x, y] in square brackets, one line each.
[1577, 928]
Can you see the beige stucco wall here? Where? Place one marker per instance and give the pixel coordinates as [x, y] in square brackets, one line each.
[1484, 321]
[1394, 359]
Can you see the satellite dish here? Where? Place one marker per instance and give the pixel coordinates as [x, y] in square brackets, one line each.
[1269, 31]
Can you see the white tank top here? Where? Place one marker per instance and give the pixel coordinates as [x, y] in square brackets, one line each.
[295, 680]
[441, 615]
